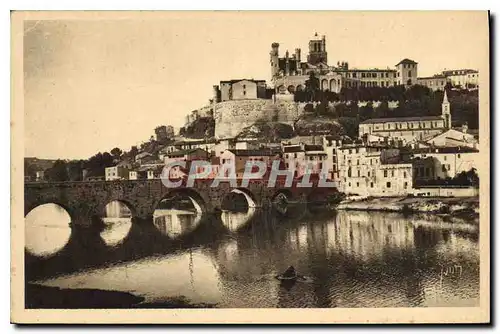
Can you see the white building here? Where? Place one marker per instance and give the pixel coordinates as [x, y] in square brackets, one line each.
[373, 171]
[408, 129]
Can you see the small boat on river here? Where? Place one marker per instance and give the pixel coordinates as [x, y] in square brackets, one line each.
[290, 275]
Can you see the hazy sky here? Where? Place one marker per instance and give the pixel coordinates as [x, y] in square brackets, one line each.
[91, 85]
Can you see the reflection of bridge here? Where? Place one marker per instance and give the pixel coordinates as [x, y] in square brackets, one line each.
[85, 200]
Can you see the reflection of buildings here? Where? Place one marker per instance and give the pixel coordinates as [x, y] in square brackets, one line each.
[233, 221]
[366, 235]
[174, 223]
[116, 209]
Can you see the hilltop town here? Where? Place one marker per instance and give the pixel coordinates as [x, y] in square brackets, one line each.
[379, 131]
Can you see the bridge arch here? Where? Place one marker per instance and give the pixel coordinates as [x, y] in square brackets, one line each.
[102, 210]
[249, 196]
[197, 200]
[29, 207]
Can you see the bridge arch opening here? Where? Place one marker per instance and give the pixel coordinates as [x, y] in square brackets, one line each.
[239, 200]
[179, 213]
[47, 229]
[238, 208]
[117, 222]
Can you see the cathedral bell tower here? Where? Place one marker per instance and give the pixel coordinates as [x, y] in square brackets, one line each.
[274, 60]
[446, 112]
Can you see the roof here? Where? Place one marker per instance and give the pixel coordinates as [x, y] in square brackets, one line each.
[464, 70]
[313, 147]
[437, 76]
[181, 153]
[248, 153]
[401, 119]
[406, 61]
[457, 149]
[238, 80]
[291, 149]
[364, 70]
[143, 154]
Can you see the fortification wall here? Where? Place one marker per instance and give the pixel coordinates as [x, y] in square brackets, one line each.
[231, 117]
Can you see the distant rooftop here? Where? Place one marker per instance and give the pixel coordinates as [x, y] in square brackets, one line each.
[406, 61]
[401, 119]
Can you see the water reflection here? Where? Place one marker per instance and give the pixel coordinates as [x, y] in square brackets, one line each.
[47, 230]
[176, 223]
[233, 221]
[353, 259]
[117, 223]
[191, 275]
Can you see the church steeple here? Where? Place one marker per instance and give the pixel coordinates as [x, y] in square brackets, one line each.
[445, 111]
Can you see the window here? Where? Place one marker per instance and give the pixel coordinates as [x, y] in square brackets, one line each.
[458, 156]
[445, 158]
[357, 162]
[388, 184]
[368, 174]
[409, 73]
[349, 184]
[404, 175]
[244, 86]
[443, 168]
[357, 184]
[385, 173]
[371, 184]
[405, 185]
[392, 173]
[244, 93]
[448, 166]
[359, 173]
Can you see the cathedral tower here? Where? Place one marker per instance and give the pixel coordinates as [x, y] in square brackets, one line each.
[274, 55]
[317, 50]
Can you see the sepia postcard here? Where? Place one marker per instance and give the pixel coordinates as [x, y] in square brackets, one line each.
[184, 167]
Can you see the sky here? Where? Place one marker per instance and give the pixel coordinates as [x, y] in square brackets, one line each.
[94, 84]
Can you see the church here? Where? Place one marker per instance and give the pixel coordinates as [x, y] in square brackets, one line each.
[289, 73]
[407, 129]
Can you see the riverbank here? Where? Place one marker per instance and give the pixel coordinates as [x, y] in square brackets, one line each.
[466, 207]
[44, 297]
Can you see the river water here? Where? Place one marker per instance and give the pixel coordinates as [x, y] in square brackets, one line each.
[349, 258]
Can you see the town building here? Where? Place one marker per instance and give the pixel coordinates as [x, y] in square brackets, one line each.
[187, 156]
[464, 78]
[40, 175]
[408, 129]
[454, 138]
[290, 73]
[301, 158]
[373, 170]
[118, 172]
[439, 163]
[330, 145]
[237, 159]
[240, 89]
[436, 82]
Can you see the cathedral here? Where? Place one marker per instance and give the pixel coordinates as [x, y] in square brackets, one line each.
[290, 73]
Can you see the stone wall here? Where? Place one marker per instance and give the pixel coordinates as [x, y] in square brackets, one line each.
[231, 117]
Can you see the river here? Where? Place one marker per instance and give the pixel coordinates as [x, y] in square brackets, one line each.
[350, 258]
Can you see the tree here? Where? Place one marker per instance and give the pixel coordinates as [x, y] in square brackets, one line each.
[116, 153]
[350, 126]
[312, 87]
[58, 172]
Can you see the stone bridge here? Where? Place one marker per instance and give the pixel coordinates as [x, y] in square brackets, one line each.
[84, 201]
